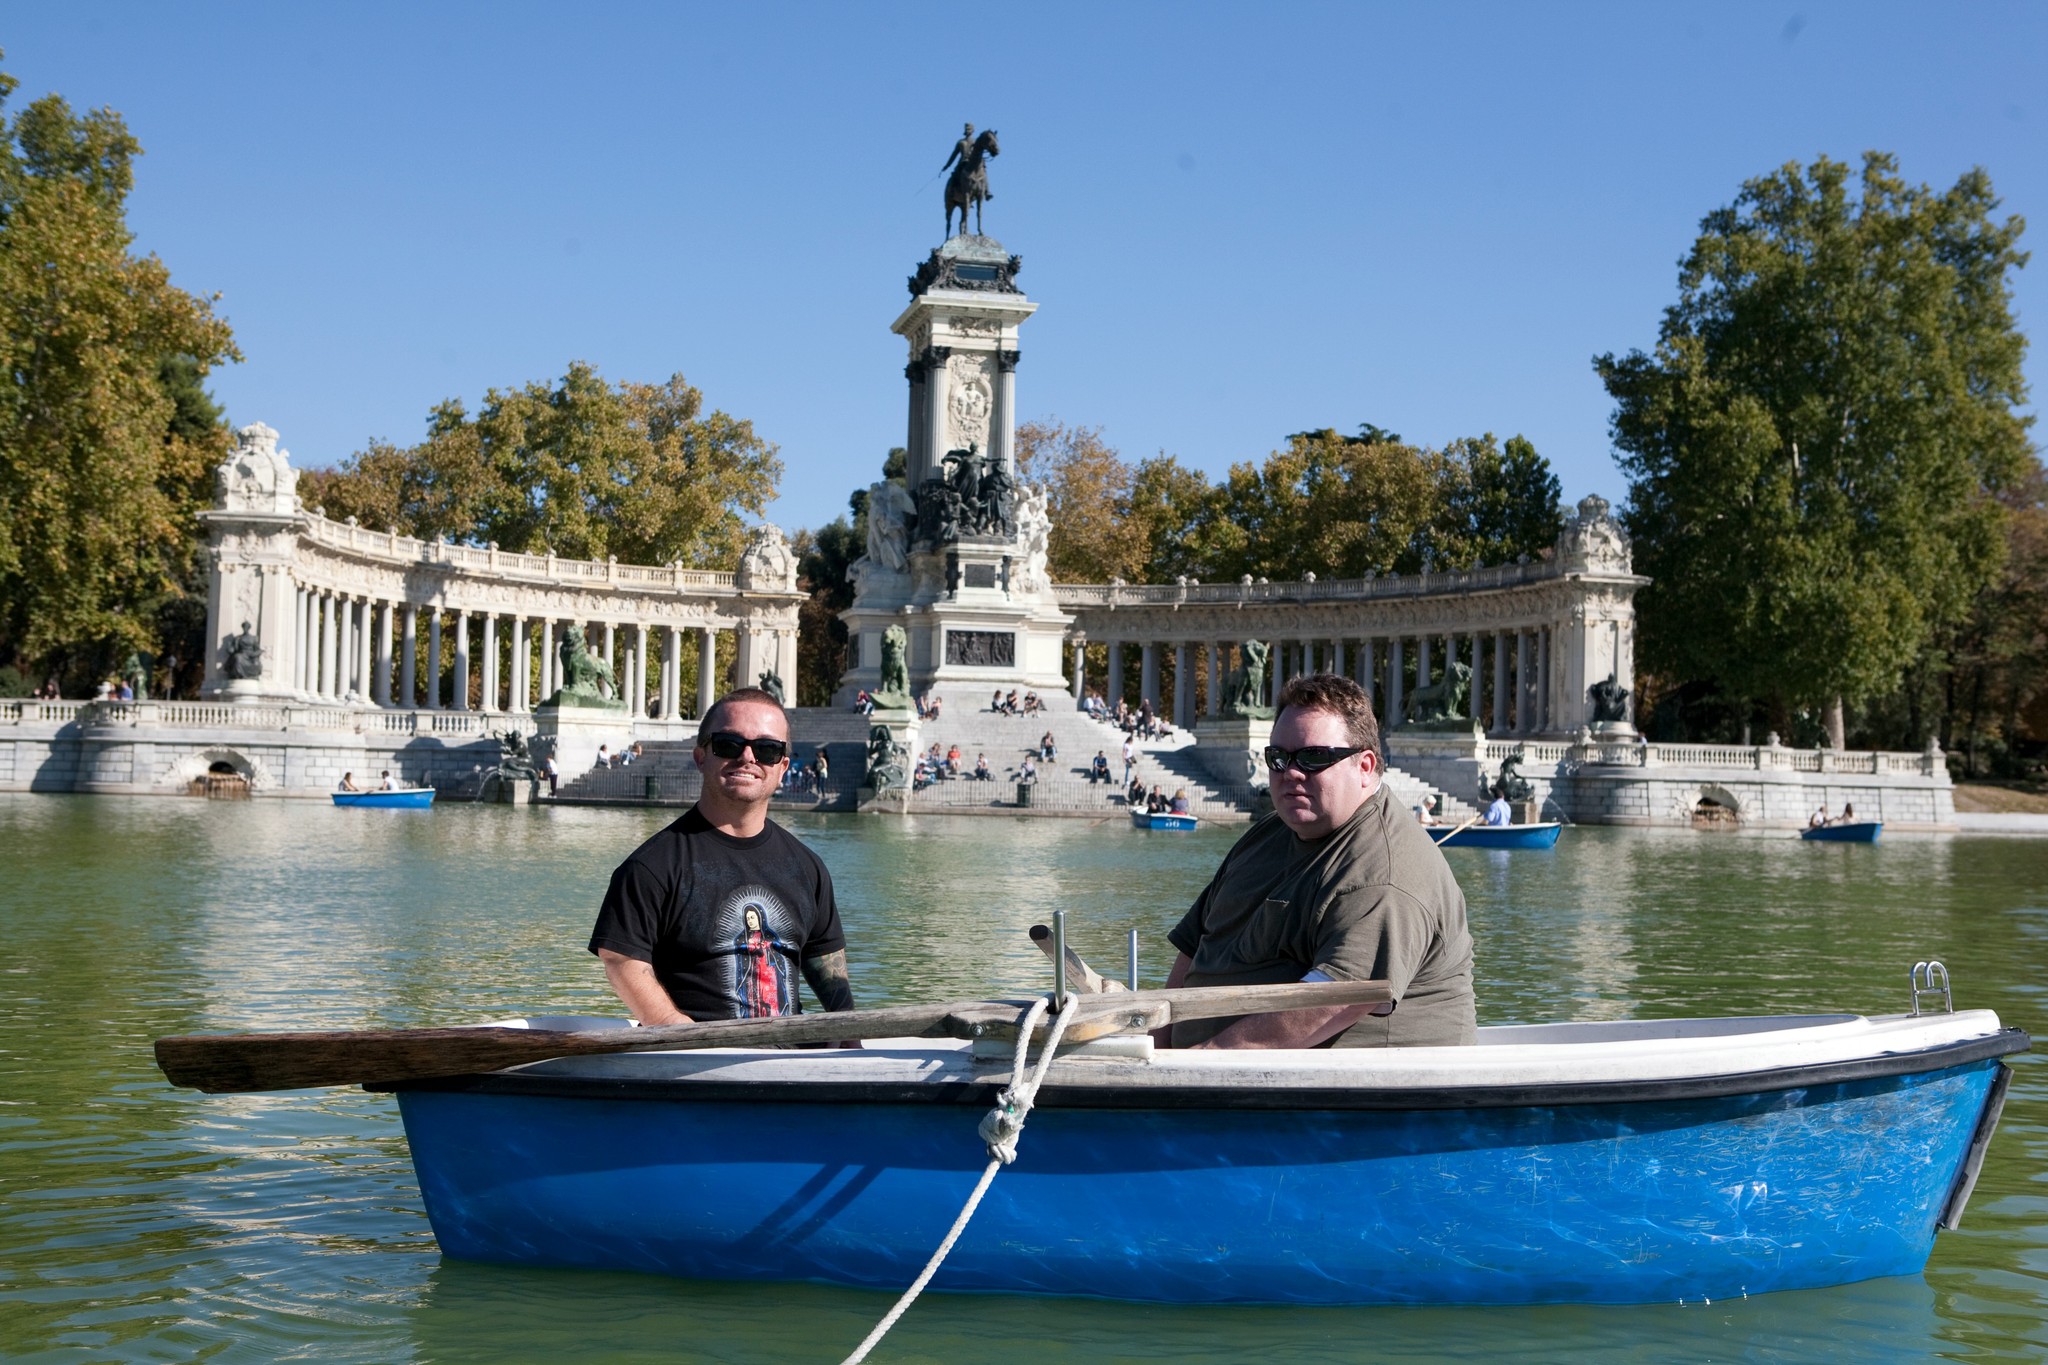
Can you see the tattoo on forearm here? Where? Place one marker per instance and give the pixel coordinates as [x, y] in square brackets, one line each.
[827, 975]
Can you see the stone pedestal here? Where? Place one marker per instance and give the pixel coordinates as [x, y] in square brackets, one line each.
[572, 733]
[967, 586]
[1231, 748]
[250, 608]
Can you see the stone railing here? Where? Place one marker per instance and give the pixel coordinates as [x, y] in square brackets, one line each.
[393, 548]
[1113, 595]
[1636, 753]
[1757, 758]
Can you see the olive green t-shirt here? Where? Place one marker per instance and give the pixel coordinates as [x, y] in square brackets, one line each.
[1373, 900]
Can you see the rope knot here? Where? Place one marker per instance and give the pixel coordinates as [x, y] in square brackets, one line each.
[1000, 1127]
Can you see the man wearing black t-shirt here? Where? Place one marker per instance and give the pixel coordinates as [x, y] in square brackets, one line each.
[713, 917]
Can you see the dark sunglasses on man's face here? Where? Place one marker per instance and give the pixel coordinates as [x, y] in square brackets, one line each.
[1310, 759]
[767, 752]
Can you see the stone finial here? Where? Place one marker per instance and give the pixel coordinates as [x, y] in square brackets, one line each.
[767, 562]
[257, 475]
[1593, 539]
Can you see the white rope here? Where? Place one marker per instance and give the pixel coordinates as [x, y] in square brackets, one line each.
[999, 1132]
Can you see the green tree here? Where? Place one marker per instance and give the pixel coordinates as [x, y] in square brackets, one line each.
[1088, 488]
[1817, 448]
[1328, 505]
[106, 437]
[579, 466]
[1496, 503]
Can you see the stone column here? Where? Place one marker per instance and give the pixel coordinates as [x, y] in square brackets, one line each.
[1080, 643]
[1337, 657]
[671, 672]
[299, 637]
[935, 358]
[522, 668]
[381, 693]
[1395, 664]
[408, 656]
[1148, 675]
[345, 656]
[548, 661]
[915, 460]
[461, 699]
[707, 669]
[1424, 664]
[1478, 682]
[327, 643]
[490, 661]
[611, 650]
[1116, 673]
[636, 673]
[1366, 676]
[1500, 683]
[1215, 704]
[1002, 422]
[433, 678]
[366, 651]
[1543, 703]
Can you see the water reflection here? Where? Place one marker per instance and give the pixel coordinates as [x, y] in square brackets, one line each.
[141, 1223]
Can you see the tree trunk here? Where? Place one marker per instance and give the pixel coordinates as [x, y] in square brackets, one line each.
[1837, 732]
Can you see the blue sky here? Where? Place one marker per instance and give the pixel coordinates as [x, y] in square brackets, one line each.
[1239, 221]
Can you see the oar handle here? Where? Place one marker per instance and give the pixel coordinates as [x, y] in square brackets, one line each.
[1081, 978]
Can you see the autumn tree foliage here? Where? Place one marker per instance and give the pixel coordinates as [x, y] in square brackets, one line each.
[107, 438]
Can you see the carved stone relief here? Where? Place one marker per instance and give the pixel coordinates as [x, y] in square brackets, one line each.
[970, 398]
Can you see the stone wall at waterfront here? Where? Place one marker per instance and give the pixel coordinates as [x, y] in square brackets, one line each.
[1763, 786]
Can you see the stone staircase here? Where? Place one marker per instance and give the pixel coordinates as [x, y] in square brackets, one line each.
[666, 776]
[1062, 786]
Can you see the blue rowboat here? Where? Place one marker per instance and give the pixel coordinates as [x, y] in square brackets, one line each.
[415, 798]
[1162, 820]
[1540, 835]
[1852, 832]
[1620, 1162]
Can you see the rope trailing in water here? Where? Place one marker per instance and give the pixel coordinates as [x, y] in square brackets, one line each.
[999, 1132]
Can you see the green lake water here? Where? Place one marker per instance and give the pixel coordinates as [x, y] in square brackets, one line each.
[141, 1223]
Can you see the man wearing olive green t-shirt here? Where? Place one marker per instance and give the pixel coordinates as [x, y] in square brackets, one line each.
[1338, 884]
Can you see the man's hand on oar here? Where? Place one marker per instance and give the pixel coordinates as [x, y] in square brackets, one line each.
[224, 1063]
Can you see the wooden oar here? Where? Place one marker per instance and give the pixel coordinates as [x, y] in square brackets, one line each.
[1470, 821]
[228, 1063]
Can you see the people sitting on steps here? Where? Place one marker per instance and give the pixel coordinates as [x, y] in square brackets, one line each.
[1047, 749]
[981, 769]
[1099, 770]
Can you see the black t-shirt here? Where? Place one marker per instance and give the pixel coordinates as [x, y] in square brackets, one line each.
[724, 921]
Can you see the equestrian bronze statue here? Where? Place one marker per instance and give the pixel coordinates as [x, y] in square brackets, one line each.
[969, 182]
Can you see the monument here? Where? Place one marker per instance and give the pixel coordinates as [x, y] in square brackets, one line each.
[956, 554]
[254, 528]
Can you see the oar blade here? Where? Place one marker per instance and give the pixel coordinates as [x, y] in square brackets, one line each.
[234, 1063]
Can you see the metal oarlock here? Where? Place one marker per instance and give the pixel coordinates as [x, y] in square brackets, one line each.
[1059, 960]
[1931, 978]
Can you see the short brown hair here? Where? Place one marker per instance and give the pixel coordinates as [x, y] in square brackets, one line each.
[1337, 694]
[754, 694]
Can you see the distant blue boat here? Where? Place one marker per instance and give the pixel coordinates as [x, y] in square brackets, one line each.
[1635, 1161]
[1852, 832]
[416, 798]
[1162, 820]
[1540, 835]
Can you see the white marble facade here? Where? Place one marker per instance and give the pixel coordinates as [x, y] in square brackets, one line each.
[339, 611]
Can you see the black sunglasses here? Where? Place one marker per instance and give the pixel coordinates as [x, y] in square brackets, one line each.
[1312, 758]
[767, 752]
